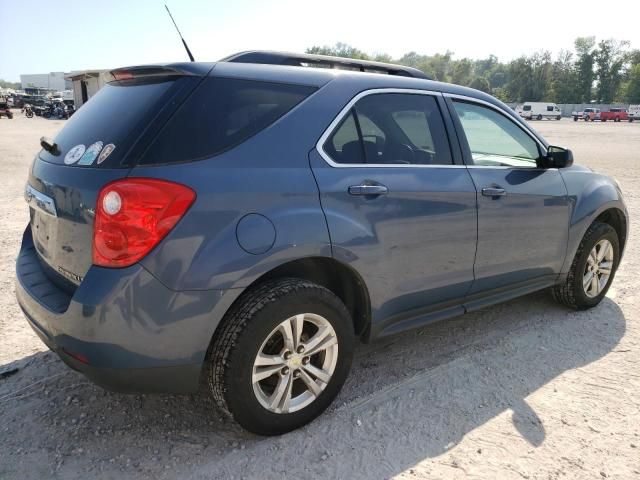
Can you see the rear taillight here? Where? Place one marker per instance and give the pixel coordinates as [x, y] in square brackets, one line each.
[133, 215]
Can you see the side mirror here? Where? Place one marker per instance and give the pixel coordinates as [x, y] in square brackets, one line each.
[558, 157]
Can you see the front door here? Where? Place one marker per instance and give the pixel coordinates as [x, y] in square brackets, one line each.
[398, 209]
[523, 210]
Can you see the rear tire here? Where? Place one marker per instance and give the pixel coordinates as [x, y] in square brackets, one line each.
[539, 117]
[252, 342]
[573, 292]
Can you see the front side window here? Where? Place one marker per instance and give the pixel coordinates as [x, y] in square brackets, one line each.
[526, 108]
[391, 129]
[550, 108]
[495, 140]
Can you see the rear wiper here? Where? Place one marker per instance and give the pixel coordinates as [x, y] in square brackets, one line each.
[49, 145]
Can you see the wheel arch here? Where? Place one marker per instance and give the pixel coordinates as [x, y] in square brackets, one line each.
[342, 280]
[617, 219]
[337, 277]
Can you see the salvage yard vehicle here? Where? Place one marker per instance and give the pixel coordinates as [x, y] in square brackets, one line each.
[588, 115]
[615, 115]
[249, 221]
[540, 110]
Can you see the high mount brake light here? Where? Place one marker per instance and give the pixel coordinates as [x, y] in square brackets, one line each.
[122, 75]
[133, 215]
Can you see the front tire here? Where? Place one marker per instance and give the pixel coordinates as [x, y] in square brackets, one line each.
[281, 356]
[592, 270]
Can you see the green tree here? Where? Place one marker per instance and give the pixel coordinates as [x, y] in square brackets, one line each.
[632, 90]
[564, 86]
[462, 72]
[339, 50]
[584, 67]
[610, 59]
[482, 84]
[13, 85]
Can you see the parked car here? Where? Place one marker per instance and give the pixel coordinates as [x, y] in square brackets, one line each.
[5, 110]
[634, 112]
[246, 224]
[540, 110]
[588, 115]
[614, 114]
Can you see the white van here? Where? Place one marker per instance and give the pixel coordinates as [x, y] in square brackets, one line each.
[539, 110]
[634, 112]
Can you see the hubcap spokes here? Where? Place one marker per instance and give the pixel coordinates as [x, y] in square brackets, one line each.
[598, 269]
[295, 363]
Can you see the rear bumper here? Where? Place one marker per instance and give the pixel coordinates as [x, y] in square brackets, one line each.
[122, 328]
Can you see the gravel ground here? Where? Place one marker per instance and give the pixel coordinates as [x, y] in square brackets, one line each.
[526, 389]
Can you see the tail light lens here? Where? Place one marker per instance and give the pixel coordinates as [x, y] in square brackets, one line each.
[133, 215]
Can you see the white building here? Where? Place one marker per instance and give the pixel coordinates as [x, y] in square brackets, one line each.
[53, 81]
[86, 83]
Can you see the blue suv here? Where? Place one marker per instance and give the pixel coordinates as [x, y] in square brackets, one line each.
[240, 225]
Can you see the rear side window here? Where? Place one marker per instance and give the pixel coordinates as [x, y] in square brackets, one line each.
[221, 114]
[391, 128]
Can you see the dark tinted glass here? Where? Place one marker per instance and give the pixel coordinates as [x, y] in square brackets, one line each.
[344, 145]
[111, 116]
[221, 114]
[403, 129]
[392, 128]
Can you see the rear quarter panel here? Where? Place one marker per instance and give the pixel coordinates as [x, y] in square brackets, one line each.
[269, 174]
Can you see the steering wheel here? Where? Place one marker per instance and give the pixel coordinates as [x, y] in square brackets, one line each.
[406, 150]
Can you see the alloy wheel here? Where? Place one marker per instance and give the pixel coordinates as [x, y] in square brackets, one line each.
[295, 363]
[598, 268]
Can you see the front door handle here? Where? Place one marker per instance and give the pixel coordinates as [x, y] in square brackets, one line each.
[494, 192]
[368, 190]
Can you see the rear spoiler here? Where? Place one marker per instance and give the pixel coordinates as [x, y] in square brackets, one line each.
[146, 71]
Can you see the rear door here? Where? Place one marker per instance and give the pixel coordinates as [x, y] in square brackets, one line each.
[96, 146]
[523, 209]
[400, 206]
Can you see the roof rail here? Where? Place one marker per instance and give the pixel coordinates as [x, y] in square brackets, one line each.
[306, 59]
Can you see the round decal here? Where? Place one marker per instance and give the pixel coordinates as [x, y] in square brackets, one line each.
[90, 154]
[74, 154]
[106, 151]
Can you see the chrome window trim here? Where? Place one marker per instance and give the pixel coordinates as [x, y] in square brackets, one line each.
[524, 128]
[345, 111]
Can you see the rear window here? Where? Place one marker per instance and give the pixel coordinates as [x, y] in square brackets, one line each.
[221, 114]
[113, 116]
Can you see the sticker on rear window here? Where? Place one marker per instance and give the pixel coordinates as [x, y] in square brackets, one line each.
[91, 153]
[74, 154]
[106, 151]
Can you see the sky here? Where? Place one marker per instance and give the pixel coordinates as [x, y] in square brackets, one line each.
[75, 35]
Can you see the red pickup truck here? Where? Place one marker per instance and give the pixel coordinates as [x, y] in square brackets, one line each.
[614, 114]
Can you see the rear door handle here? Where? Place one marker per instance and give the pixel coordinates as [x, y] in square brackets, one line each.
[494, 192]
[368, 190]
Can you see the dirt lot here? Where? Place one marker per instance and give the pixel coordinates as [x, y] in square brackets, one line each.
[526, 389]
